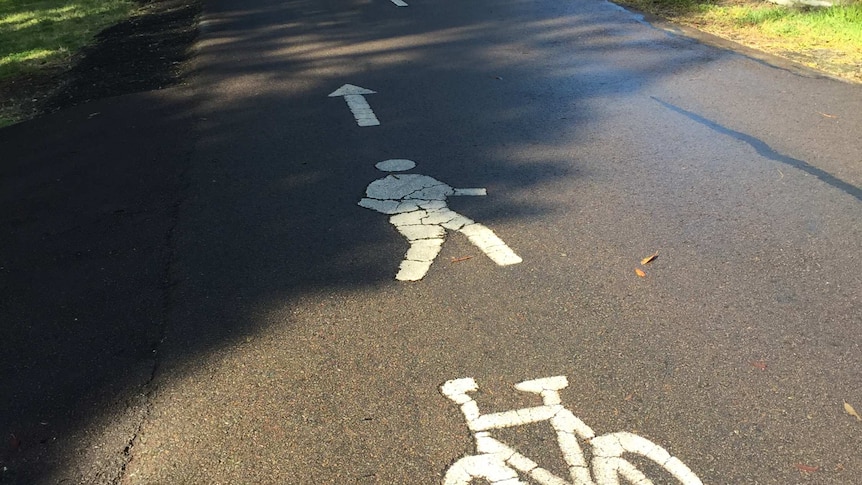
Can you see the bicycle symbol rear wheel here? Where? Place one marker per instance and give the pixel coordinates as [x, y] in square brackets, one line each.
[485, 467]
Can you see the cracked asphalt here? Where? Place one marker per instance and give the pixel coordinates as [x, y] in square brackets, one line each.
[194, 291]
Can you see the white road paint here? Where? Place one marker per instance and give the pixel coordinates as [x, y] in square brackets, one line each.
[417, 204]
[399, 3]
[395, 165]
[355, 98]
[498, 463]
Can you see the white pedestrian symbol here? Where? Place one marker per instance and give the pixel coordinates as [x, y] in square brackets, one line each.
[500, 464]
[418, 207]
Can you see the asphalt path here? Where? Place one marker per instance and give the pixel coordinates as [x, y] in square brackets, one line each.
[272, 342]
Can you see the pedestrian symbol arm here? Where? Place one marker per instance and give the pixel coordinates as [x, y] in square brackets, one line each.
[384, 206]
[475, 191]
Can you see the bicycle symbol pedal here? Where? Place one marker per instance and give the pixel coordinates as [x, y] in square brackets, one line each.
[501, 464]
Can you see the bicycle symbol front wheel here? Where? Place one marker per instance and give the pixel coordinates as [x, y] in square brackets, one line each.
[609, 466]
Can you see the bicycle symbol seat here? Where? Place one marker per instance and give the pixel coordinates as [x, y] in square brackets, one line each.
[500, 464]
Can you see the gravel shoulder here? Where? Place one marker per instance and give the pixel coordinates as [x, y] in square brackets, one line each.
[144, 52]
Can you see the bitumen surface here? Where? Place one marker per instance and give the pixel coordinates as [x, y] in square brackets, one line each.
[90, 197]
[193, 294]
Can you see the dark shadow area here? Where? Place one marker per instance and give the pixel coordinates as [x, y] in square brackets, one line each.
[90, 197]
[144, 233]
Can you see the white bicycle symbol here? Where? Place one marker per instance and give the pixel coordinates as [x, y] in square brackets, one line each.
[499, 464]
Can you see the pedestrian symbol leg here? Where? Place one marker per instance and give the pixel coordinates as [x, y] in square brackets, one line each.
[425, 243]
[479, 235]
[490, 244]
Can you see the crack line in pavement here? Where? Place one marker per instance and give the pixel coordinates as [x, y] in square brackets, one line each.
[768, 152]
[167, 285]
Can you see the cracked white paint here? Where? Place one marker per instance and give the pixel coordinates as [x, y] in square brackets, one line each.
[417, 204]
[498, 463]
[355, 98]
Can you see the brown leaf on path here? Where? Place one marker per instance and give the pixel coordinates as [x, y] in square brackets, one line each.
[852, 412]
[760, 364]
[463, 258]
[807, 468]
[639, 272]
[649, 259]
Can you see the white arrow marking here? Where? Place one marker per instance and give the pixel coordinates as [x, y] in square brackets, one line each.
[355, 97]
[399, 3]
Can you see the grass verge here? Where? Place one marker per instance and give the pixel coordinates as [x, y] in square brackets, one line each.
[37, 33]
[39, 39]
[825, 38]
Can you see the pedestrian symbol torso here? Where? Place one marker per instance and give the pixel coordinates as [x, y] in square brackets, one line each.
[409, 187]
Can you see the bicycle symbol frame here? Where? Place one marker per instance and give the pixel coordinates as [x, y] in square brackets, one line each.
[500, 464]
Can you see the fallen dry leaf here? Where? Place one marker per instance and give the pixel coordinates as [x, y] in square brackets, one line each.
[463, 258]
[807, 468]
[649, 259]
[759, 364]
[14, 442]
[629, 397]
[851, 411]
[639, 272]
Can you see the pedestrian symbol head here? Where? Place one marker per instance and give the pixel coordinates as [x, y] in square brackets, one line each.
[395, 165]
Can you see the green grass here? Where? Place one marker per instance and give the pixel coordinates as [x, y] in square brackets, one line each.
[837, 28]
[36, 34]
[843, 22]
[828, 38]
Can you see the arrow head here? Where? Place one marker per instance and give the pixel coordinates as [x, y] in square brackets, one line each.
[349, 89]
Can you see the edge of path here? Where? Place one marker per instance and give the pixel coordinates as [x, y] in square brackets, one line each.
[91, 187]
[144, 52]
[713, 40]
